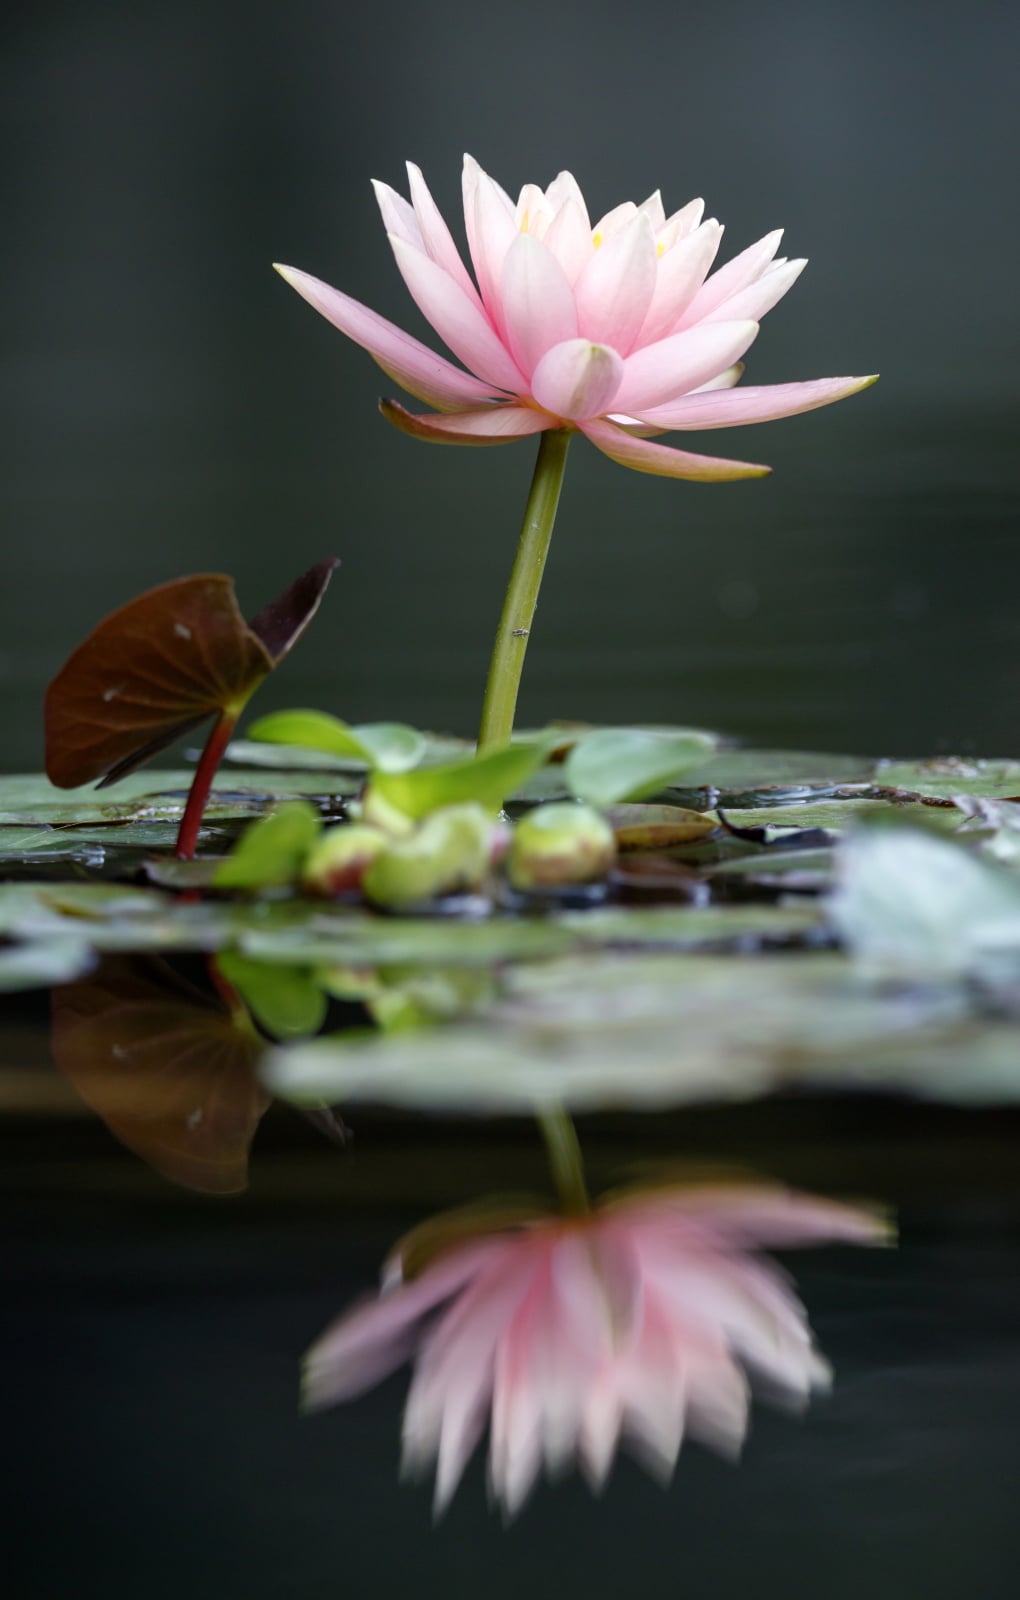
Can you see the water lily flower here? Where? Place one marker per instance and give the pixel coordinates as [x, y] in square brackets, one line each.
[638, 1320]
[615, 330]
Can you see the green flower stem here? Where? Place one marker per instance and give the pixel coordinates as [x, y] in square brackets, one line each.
[205, 772]
[565, 1160]
[514, 629]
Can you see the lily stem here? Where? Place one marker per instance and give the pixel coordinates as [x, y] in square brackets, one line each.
[565, 1159]
[511, 643]
[205, 772]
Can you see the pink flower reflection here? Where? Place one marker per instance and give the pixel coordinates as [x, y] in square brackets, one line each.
[636, 1322]
[615, 329]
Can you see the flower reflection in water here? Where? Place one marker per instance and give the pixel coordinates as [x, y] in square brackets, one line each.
[639, 1321]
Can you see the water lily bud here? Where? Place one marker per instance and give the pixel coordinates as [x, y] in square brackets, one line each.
[448, 852]
[382, 813]
[338, 862]
[558, 844]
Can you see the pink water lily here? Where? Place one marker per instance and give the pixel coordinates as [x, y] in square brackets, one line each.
[637, 1320]
[616, 330]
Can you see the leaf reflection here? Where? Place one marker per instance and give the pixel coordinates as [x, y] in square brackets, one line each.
[169, 1068]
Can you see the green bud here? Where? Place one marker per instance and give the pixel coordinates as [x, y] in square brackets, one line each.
[449, 851]
[337, 863]
[559, 844]
[382, 813]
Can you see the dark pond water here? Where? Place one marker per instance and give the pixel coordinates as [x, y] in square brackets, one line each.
[150, 1341]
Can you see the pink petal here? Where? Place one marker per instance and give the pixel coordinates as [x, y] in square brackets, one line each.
[759, 1215]
[577, 379]
[491, 229]
[664, 462]
[681, 273]
[614, 220]
[652, 1386]
[530, 210]
[758, 298]
[419, 370]
[458, 320]
[745, 268]
[597, 1279]
[681, 223]
[515, 1451]
[568, 238]
[436, 236]
[538, 305]
[564, 188]
[661, 372]
[731, 408]
[653, 210]
[375, 1337]
[398, 217]
[599, 1429]
[493, 425]
[725, 380]
[717, 1398]
[449, 1401]
[615, 289]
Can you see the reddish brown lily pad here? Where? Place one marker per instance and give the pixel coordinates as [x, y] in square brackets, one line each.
[160, 666]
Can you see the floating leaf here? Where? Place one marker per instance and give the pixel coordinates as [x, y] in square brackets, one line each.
[948, 776]
[614, 764]
[160, 665]
[488, 780]
[152, 797]
[645, 827]
[299, 758]
[749, 777]
[168, 1068]
[907, 901]
[43, 962]
[272, 851]
[388, 746]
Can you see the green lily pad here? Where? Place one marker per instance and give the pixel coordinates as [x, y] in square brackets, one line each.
[384, 746]
[614, 764]
[948, 776]
[837, 816]
[43, 962]
[908, 901]
[153, 796]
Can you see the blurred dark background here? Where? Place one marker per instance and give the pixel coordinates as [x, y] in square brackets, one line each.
[169, 405]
